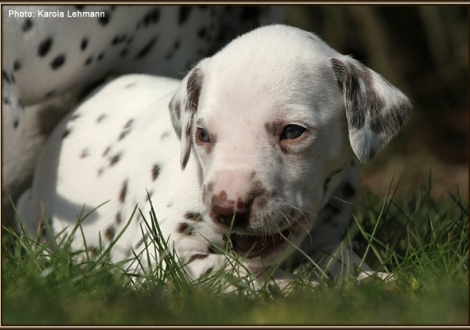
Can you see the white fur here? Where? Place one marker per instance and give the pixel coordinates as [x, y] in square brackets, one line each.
[246, 95]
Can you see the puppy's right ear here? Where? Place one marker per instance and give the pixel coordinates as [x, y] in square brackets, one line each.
[183, 107]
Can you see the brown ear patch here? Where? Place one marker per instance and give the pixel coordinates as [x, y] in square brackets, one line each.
[194, 86]
[375, 109]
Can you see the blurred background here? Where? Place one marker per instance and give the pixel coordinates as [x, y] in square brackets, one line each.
[422, 50]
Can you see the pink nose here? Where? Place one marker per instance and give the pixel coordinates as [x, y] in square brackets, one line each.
[229, 212]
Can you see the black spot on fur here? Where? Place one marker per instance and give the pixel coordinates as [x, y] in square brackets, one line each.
[16, 65]
[27, 25]
[184, 14]
[100, 56]
[333, 209]
[88, 60]
[202, 33]
[118, 39]
[129, 85]
[146, 49]
[84, 44]
[45, 47]
[5, 77]
[124, 52]
[155, 172]
[16, 123]
[49, 94]
[6, 101]
[348, 190]
[105, 19]
[327, 181]
[123, 192]
[58, 62]
[152, 17]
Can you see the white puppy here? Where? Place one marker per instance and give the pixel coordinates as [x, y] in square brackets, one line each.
[256, 147]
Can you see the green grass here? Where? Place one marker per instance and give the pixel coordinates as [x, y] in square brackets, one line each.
[424, 242]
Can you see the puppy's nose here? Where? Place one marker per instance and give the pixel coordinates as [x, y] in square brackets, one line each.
[229, 212]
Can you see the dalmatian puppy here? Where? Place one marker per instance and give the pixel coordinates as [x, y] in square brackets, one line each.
[52, 53]
[255, 149]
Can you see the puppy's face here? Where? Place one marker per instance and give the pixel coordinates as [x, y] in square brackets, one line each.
[267, 120]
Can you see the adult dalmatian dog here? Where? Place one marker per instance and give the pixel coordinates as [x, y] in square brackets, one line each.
[255, 148]
[52, 53]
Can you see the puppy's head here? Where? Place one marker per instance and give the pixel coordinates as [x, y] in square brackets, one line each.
[272, 118]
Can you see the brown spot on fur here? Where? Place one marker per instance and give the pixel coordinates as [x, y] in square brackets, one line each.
[118, 218]
[109, 233]
[208, 271]
[123, 192]
[66, 133]
[106, 151]
[184, 228]
[93, 250]
[274, 129]
[165, 135]
[114, 159]
[155, 172]
[126, 130]
[198, 256]
[194, 86]
[257, 189]
[350, 85]
[84, 153]
[262, 202]
[193, 216]
[100, 118]
[75, 116]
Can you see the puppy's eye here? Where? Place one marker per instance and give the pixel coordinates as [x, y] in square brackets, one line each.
[203, 135]
[292, 132]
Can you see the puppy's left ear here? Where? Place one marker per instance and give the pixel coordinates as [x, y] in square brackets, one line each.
[375, 110]
[183, 108]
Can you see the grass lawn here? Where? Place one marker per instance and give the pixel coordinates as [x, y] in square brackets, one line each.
[424, 242]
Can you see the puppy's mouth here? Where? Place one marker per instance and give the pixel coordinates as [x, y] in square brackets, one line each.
[252, 246]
